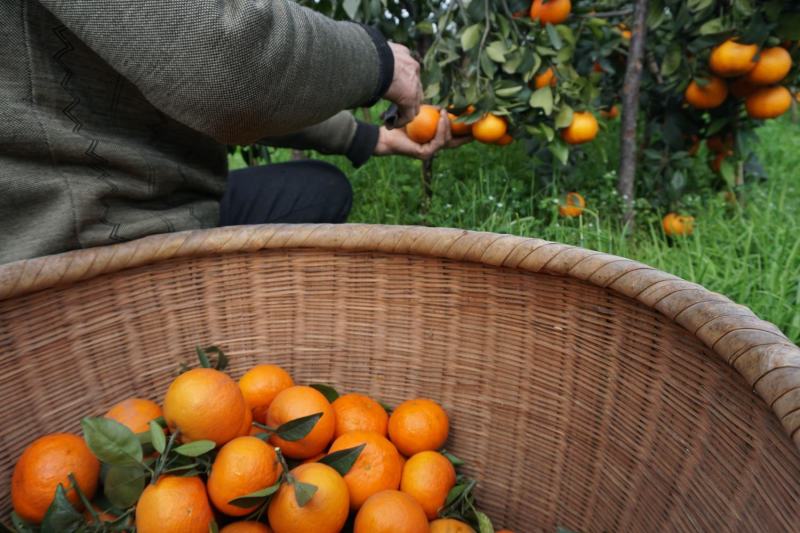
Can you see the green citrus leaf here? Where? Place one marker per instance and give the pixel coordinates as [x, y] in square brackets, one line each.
[20, 525]
[123, 485]
[303, 492]
[560, 151]
[254, 498]
[455, 493]
[351, 8]
[181, 468]
[542, 99]
[157, 437]
[343, 460]
[471, 36]
[61, 515]
[555, 38]
[111, 442]
[202, 356]
[213, 527]
[329, 392]
[508, 91]
[196, 448]
[484, 524]
[564, 117]
[297, 429]
[386, 407]
[452, 458]
[496, 52]
[789, 26]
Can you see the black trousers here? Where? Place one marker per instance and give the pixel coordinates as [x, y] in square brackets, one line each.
[295, 192]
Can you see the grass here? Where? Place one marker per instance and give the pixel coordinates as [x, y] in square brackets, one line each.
[750, 252]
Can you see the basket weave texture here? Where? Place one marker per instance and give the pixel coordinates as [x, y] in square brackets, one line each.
[585, 390]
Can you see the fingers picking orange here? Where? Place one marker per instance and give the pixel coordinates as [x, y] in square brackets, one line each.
[327, 510]
[428, 477]
[391, 511]
[423, 128]
[242, 466]
[418, 425]
[356, 412]
[260, 385]
[297, 402]
[174, 505]
[377, 468]
[205, 404]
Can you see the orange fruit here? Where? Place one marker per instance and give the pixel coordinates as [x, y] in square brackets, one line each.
[731, 59]
[742, 88]
[674, 224]
[44, 465]
[391, 511]
[418, 425]
[548, 77]
[610, 114]
[719, 143]
[242, 466]
[583, 128]
[377, 468]
[423, 128]
[450, 525]
[489, 129]
[709, 96]
[597, 67]
[626, 34]
[297, 402]
[505, 140]
[247, 423]
[773, 65]
[325, 512]
[356, 412]
[551, 12]
[246, 527]
[458, 128]
[573, 205]
[102, 515]
[428, 477]
[174, 505]
[204, 404]
[260, 385]
[768, 102]
[135, 413]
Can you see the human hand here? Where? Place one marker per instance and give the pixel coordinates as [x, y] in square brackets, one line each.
[406, 88]
[396, 142]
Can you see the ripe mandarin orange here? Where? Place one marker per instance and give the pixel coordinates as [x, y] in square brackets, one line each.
[450, 525]
[773, 65]
[246, 527]
[244, 465]
[731, 59]
[675, 225]
[247, 423]
[489, 129]
[505, 140]
[768, 102]
[260, 385]
[551, 12]
[610, 114]
[204, 403]
[325, 512]
[377, 468]
[423, 128]
[573, 205]
[356, 412]
[428, 477]
[583, 128]
[297, 402]
[708, 96]
[418, 425]
[174, 505]
[135, 413]
[44, 465]
[548, 77]
[391, 511]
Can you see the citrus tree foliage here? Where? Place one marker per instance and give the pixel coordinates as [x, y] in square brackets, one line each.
[488, 53]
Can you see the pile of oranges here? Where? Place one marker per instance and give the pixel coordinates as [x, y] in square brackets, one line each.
[260, 455]
[746, 73]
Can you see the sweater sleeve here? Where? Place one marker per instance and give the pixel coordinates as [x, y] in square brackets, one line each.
[341, 134]
[236, 70]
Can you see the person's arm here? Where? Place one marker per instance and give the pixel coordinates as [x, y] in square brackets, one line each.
[235, 70]
[341, 134]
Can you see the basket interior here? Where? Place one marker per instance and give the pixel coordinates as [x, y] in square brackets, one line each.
[574, 405]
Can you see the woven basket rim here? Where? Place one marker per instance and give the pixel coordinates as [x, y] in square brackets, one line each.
[767, 360]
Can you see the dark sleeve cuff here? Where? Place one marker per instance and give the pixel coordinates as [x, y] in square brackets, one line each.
[386, 64]
[363, 145]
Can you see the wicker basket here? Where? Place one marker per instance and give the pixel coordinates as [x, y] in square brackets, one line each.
[586, 390]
